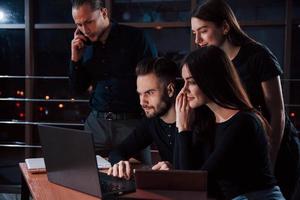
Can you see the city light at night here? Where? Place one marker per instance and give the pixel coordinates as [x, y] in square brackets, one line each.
[2, 16]
[21, 115]
[292, 114]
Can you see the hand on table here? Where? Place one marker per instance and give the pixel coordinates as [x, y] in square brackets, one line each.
[121, 169]
[163, 165]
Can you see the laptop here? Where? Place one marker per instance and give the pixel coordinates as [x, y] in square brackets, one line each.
[71, 162]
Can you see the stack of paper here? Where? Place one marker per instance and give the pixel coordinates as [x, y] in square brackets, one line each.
[102, 163]
[39, 163]
[35, 163]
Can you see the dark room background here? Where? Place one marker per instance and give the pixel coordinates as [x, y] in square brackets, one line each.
[35, 38]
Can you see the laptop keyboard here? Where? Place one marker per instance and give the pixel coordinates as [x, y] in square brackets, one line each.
[109, 187]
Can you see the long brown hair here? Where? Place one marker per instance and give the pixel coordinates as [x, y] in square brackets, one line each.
[218, 12]
[217, 78]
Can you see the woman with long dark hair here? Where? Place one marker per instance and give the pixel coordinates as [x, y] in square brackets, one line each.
[214, 23]
[231, 141]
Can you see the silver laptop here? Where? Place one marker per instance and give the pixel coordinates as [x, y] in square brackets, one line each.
[70, 161]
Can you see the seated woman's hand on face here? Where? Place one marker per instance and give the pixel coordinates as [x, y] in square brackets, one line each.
[163, 165]
[121, 169]
[184, 113]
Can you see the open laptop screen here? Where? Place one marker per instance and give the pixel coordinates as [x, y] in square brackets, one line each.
[70, 159]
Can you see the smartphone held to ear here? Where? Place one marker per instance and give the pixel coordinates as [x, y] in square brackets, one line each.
[87, 41]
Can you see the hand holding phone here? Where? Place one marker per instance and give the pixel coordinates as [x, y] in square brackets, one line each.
[87, 41]
[78, 44]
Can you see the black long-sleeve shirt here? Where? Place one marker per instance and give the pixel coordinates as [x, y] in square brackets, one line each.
[110, 68]
[239, 161]
[149, 131]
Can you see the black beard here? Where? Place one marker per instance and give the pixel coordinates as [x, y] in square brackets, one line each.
[167, 101]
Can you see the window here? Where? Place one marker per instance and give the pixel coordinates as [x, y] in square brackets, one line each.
[151, 10]
[12, 12]
[44, 95]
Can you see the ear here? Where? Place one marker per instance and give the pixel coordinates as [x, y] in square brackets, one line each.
[104, 12]
[171, 89]
[226, 27]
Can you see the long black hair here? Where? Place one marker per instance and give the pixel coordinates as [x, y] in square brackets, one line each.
[217, 78]
[218, 12]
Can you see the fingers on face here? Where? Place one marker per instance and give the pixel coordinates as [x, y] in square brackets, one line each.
[79, 34]
[182, 102]
[179, 101]
[76, 32]
[78, 43]
[79, 39]
[181, 91]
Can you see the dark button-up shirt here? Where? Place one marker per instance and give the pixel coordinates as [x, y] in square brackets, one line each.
[149, 131]
[110, 68]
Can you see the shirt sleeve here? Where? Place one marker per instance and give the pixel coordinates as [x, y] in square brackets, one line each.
[79, 77]
[139, 139]
[267, 65]
[183, 151]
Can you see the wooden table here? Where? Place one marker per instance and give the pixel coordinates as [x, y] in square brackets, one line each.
[166, 195]
[41, 189]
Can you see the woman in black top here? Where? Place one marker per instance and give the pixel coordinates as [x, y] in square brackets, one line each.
[230, 141]
[214, 23]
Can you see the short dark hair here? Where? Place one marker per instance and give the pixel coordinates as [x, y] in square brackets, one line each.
[166, 70]
[95, 4]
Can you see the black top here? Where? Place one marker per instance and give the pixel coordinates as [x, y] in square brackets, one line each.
[149, 131]
[239, 161]
[110, 68]
[255, 63]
